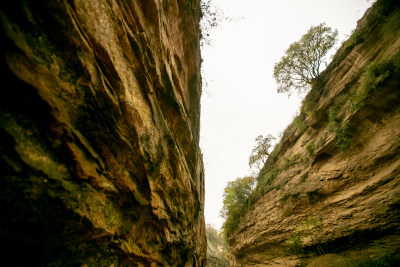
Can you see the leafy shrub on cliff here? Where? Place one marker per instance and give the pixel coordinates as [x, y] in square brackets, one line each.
[310, 228]
[341, 129]
[300, 67]
[300, 123]
[293, 244]
[291, 161]
[356, 38]
[374, 76]
[310, 148]
[235, 202]
[265, 181]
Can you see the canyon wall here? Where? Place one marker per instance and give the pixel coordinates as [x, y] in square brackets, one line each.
[329, 194]
[99, 124]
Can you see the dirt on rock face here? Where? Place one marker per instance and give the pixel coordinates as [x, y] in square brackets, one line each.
[99, 124]
[331, 189]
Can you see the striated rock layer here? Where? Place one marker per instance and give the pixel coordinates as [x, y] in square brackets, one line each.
[99, 124]
[332, 186]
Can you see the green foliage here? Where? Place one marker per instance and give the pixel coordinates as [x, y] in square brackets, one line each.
[320, 143]
[290, 161]
[309, 103]
[357, 37]
[375, 75]
[277, 150]
[341, 129]
[213, 236]
[312, 227]
[260, 153]
[269, 177]
[392, 24]
[293, 244]
[217, 248]
[297, 70]
[235, 202]
[265, 181]
[300, 123]
[310, 148]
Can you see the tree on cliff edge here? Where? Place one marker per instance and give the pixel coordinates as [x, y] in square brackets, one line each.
[236, 195]
[297, 70]
[260, 153]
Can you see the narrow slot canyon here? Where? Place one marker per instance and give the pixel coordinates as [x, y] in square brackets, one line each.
[200, 133]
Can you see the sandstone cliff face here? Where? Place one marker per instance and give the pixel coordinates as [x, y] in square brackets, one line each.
[99, 124]
[332, 186]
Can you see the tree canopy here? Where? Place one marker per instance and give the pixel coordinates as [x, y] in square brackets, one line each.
[301, 64]
[236, 194]
[260, 152]
[217, 247]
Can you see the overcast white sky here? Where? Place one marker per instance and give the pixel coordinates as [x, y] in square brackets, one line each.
[240, 101]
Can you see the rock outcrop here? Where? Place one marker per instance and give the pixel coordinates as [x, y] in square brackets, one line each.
[329, 194]
[99, 124]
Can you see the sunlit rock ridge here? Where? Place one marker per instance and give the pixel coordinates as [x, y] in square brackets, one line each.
[99, 123]
[329, 194]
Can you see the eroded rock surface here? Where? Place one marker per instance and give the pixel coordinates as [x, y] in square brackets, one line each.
[99, 124]
[333, 183]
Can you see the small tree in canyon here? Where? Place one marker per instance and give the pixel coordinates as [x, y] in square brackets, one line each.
[297, 70]
[260, 153]
[236, 195]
